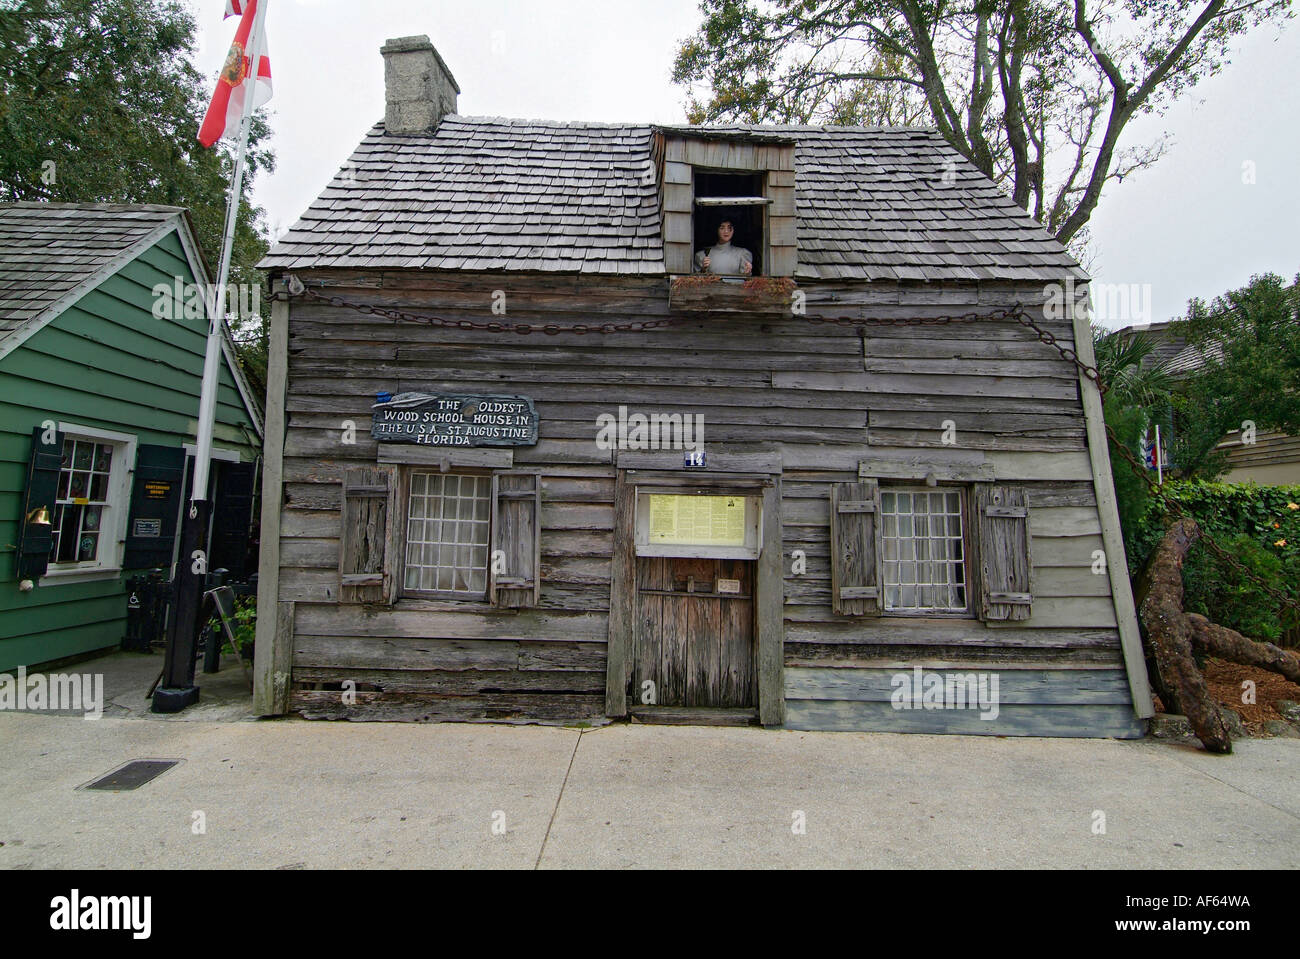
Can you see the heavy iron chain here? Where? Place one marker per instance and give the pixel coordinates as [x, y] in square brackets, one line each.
[909, 320]
[1167, 503]
[1016, 313]
[490, 326]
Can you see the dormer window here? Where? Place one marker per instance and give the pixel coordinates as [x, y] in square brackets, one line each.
[739, 199]
[745, 176]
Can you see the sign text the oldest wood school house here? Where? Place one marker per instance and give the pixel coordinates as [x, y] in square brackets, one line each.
[446, 419]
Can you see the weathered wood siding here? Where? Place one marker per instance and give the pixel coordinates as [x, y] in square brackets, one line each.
[1272, 460]
[820, 397]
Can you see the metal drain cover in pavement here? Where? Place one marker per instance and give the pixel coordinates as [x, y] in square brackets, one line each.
[133, 775]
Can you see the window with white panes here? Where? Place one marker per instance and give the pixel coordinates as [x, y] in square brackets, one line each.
[923, 549]
[85, 521]
[447, 529]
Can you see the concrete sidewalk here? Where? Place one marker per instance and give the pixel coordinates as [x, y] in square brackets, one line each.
[291, 794]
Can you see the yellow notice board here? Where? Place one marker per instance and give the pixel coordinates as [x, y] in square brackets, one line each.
[697, 520]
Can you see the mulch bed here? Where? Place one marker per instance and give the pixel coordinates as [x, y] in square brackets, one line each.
[1224, 680]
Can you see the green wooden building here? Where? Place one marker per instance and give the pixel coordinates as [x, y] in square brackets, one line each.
[102, 338]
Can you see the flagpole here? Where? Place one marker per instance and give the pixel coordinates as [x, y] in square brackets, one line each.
[177, 689]
[1160, 465]
[212, 362]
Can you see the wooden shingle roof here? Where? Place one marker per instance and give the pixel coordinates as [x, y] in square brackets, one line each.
[53, 254]
[483, 193]
[47, 250]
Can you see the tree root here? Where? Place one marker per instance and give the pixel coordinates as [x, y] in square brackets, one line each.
[1169, 632]
[1229, 644]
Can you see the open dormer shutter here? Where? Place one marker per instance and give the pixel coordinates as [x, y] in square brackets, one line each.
[1002, 525]
[515, 560]
[366, 539]
[855, 549]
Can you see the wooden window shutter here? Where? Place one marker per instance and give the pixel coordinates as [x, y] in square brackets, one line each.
[516, 541]
[35, 540]
[855, 548]
[1002, 529]
[155, 505]
[367, 550]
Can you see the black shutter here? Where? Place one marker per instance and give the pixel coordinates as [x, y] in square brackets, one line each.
[155, 501]
[35, 539]
[232, 515]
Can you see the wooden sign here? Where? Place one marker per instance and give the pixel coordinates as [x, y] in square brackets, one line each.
[157, 489]
[147, 527]
[455, 419]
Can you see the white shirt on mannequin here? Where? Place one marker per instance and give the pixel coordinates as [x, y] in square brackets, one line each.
[725, 260]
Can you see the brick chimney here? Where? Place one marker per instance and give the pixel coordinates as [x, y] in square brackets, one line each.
[419, 90]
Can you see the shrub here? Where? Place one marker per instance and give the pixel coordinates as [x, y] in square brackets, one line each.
[245, 626]
[1219, 591]
[1257, 525]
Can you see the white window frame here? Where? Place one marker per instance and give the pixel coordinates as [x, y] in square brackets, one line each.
[218, 453]
[963, 505]
[405, 498]
[108, 560]
[764, 248]
[753, 525]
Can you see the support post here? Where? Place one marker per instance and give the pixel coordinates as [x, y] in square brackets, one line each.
[1112, 538]
[178, 689]
[273, 649]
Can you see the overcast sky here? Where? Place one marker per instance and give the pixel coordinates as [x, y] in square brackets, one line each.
[1189, 227]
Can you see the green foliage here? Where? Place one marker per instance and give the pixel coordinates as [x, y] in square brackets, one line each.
[1035, 93]
[1221, 593]
[1130, 380]
[1224, 510]
[1137, 395]
[99, 103]
[1250, 341]
[1131, 492]
[245, 626]
[1258, 525]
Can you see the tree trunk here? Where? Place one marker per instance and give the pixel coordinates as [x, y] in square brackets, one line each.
[1169, 630]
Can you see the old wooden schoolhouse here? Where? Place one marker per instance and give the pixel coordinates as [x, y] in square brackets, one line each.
[525, 462]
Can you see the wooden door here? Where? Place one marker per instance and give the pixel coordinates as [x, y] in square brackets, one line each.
[694, 638]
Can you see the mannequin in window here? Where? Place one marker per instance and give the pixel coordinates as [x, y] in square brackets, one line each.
[723, 259]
